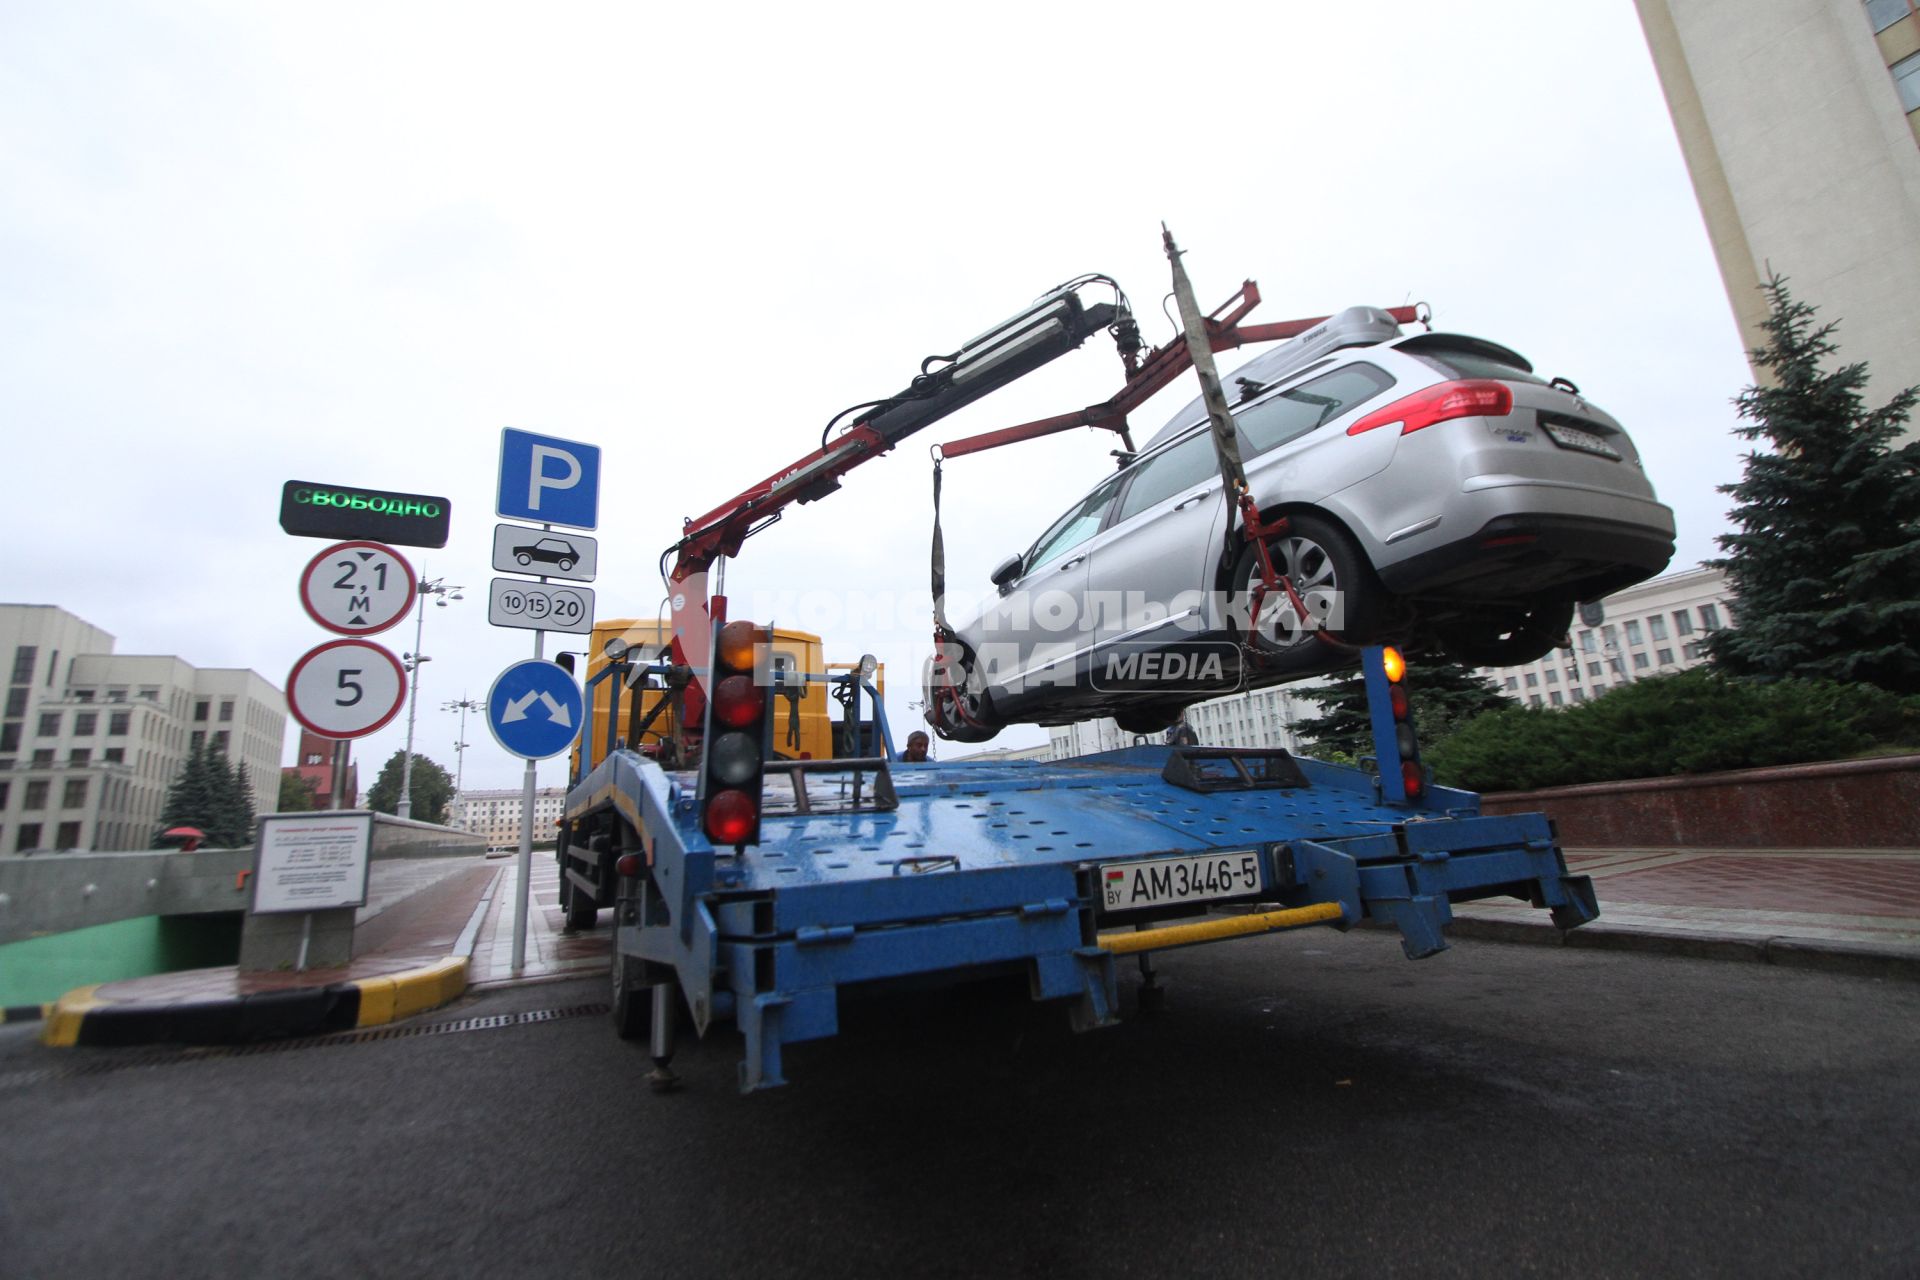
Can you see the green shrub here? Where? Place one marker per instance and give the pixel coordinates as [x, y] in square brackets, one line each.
[1693, 722]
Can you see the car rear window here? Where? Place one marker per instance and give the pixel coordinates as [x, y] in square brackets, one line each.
[1298, 410]
[1471, 358]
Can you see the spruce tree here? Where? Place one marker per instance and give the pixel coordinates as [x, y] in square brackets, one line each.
[189, 794]
[1825, 562]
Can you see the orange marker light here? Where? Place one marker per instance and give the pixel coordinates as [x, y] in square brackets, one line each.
[1394, 665]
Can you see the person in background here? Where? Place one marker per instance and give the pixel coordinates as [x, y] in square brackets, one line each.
[916, 751]
[1182, 734]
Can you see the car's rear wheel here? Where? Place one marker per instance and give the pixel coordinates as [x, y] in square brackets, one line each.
[1333, 579]
[1505, 640]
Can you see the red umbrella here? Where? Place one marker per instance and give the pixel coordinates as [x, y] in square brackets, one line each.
[189, 837]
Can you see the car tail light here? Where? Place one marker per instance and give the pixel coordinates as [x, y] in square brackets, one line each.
[1476, 397]
[732, 817]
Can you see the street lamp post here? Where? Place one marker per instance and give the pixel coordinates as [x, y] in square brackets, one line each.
[412, 662]
[462, 705]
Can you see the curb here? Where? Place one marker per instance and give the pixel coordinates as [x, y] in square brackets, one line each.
[82, 1018]
[1786, 952]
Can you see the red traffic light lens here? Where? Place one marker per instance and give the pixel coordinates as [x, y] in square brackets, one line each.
[730, 817]
[734, 759]
[737, 701]
[1398, 696]
[1410, 777]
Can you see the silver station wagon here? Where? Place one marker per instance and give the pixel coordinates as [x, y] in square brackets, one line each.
[1439, 493]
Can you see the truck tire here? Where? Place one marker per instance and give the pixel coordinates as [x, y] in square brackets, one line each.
[632, 1004]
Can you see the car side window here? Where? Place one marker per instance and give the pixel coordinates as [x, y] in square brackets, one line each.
[1075, 527]
[1166, 473]
[1298, 410]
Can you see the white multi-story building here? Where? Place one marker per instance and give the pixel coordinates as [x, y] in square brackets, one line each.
[1654, 628]
[1800, 124]
[1262, 718]
[91, 740]
[495, 815]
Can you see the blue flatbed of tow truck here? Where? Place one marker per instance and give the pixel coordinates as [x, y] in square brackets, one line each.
[869, 870]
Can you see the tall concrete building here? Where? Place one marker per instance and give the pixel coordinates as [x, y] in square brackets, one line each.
[91, 740]
[1800, 124]
[1259, 718]
[495, 815]
[1653, 628]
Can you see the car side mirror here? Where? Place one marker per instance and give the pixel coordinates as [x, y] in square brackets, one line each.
[1009, 570]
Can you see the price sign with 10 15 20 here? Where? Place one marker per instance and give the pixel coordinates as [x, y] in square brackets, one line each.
[540, 606]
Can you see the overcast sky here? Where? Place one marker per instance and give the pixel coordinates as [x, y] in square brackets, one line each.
[242, 244]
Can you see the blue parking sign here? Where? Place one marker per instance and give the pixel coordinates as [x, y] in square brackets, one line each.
[548, 480]
[535, 709]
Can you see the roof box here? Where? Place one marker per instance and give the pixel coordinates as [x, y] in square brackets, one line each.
[1354, 327]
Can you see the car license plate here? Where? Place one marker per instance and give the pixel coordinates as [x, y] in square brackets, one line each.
[1584, 441]
[1155, 882]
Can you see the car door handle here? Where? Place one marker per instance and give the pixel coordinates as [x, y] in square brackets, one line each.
[1198, 497]
[1074, 563]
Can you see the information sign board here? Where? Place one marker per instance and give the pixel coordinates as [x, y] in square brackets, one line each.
[311, 862]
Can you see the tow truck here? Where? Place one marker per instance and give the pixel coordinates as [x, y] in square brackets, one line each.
[753, 889]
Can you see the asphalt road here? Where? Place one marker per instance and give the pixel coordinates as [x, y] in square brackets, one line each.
[1310, 1104]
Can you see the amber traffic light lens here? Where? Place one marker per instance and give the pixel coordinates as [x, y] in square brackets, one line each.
[735, 648]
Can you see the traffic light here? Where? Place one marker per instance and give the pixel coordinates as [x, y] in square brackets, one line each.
[1396, 748]
[736, 740]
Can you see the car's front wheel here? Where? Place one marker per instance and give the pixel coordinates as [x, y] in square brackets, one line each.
[1506, 640]
[1332, 578]
[523, 560]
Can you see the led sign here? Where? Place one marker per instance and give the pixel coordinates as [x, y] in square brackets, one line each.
[309, 510]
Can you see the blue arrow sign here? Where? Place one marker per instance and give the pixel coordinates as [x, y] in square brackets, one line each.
[549, 480]
[535, 709]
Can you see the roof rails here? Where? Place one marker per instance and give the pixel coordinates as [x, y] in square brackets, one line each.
[1353, 327]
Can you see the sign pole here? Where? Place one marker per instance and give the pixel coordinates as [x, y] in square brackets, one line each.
[525, 862]
[306, 936]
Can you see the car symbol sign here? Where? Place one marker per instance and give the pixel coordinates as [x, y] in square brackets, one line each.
[546, 553]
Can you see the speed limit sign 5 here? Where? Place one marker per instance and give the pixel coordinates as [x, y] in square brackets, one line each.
[346, 688]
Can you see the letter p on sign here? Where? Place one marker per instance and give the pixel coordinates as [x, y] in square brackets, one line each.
[549, 481]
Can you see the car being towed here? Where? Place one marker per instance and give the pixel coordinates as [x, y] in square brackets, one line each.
[1437, 492]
